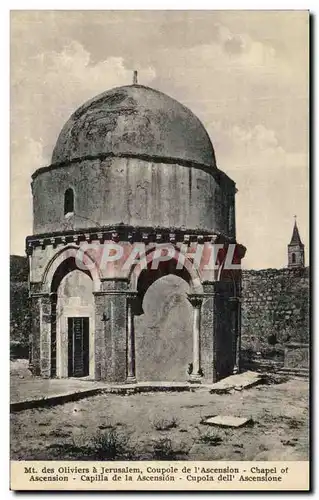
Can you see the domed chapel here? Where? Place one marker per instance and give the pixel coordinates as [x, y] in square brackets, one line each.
[132, 167]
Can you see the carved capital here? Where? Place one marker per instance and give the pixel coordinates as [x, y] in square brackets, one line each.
[213, 238]
[159, 237]
[115, 236]
[29, 249]
[195, 299]
[172, 238]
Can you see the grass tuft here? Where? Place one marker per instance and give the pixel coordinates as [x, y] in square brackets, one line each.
[210, 438]
[163, 450]
[164, 424]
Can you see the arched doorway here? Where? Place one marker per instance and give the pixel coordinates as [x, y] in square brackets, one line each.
[72, 322]
[163, 333]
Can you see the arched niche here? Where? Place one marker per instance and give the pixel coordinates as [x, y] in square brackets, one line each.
[163, 332]
[141, 277]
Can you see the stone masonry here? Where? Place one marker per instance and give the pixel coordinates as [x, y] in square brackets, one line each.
[275, 307]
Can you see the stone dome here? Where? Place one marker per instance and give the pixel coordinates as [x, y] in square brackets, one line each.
[134, 121]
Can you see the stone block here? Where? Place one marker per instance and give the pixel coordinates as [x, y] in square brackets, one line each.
[227, 421]
[296, 355]
[237, 382]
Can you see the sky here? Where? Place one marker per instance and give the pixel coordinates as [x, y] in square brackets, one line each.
[243, 73]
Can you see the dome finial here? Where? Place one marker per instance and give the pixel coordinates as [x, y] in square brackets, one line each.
[135, 77]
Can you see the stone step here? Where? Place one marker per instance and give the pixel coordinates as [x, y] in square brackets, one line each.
[298, 372]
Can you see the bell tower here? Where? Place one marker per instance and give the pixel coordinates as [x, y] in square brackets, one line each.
[296, 252]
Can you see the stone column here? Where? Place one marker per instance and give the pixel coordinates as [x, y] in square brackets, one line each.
[45, 336]
[231, 217]
[111, 331]
[209, 326]
[41, 334]
[233, 302]
[130, 370]
[34, 338]
[238, 337]
[196, 301]
[53, 337]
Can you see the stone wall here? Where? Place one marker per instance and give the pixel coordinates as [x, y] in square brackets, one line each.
[133, 192]
[275, 309]
[20, 307]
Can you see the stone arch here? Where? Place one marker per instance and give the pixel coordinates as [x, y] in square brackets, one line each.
[233, 279]
[188, 272]
[67, 253]
[62, 267]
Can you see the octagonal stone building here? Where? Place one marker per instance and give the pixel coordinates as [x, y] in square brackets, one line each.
[132, 168]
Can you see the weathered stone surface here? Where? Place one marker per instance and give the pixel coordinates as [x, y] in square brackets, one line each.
[237, 382]
[132, 191]
[286, 315]
[227, 421]
[296, 355]
[134, 120]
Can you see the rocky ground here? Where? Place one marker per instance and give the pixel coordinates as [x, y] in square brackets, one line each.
[168, 426]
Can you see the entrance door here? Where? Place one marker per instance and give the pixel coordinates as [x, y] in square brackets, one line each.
[78, 347]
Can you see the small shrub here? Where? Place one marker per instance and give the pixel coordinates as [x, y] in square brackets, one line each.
[106, 445]
[68, 450]
[294, 423]
[165, 424]
[210, 438]
[288, 442]
[163, 450]
[111, 445]
[263, 447]
[59, 434]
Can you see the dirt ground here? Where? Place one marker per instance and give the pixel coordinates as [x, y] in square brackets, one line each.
[24, 386]
[167, 426]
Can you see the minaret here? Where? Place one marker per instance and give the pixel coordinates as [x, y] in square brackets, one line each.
[135, 77]
[296, 252]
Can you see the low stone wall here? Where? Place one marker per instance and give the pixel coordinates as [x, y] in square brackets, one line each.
[275, 310]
